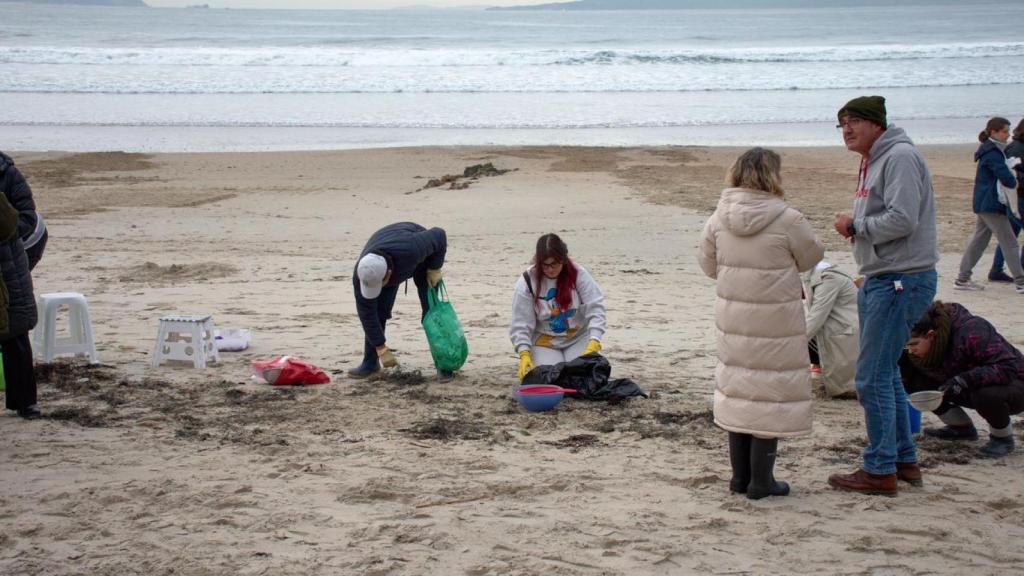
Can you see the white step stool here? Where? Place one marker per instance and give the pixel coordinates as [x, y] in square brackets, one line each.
[45, 341]
[186, 337]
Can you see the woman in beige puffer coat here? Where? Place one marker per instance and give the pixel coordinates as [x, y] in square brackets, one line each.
[755, 245]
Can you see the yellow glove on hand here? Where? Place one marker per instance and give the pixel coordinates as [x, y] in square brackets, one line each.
[525, 363]
[387, 357]
[433, 276]
[593, 347]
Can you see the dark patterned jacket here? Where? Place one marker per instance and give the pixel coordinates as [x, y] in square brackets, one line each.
[976, 353]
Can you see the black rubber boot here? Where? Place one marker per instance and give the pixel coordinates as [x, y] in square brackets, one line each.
[370, 363]
[739, 457]
[762, 470]
[998, 447]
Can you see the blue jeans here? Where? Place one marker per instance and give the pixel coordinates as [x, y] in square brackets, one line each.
[998, 260]
[887, 312]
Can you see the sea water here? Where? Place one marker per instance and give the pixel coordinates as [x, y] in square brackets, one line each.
[86, 78]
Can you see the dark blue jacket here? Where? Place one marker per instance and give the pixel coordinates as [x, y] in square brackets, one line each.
[21, 304]
[992, 169]
[410, 250]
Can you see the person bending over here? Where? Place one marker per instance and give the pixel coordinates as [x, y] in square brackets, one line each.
[393, 255]
[962, 354]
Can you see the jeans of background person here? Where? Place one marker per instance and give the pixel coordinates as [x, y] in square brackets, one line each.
[889, 304]
[989, 223]
[993, 403]
[19, 372]
[998, 260]
[543, 356]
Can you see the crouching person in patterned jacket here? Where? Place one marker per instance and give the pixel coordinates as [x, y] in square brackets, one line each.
[952, 350]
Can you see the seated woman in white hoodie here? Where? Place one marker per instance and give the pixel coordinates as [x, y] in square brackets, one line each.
[557, 310]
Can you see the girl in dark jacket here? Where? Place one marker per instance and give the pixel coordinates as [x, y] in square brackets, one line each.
[950, 349]
[1014, 149]
[992, 170]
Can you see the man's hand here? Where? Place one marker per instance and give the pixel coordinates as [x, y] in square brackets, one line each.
[387, 357]
[433, 276]
[842, 223]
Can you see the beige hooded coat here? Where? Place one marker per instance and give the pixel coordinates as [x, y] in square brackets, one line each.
[755, 245]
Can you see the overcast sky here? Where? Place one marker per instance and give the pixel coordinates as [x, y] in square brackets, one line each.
[339, 4]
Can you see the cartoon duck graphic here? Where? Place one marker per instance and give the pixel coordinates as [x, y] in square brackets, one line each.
[558, 321]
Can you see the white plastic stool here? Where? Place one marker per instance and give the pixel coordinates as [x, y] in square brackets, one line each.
[185, 337]
[45, 340]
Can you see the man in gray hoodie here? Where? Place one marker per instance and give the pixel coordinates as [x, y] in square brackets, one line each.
[892, 230]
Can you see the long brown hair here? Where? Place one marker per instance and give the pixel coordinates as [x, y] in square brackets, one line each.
[757, 169]
[995, 124]
[551, 246]
[1018, 132]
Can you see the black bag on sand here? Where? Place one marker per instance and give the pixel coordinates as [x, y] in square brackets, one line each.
[589, 376]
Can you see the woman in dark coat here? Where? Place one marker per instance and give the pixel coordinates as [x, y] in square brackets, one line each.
[950, 349]
[19, 316]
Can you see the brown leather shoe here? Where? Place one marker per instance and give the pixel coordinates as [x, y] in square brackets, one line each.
[865, 483]
[910, 473]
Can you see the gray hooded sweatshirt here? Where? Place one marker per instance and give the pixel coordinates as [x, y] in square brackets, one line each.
[894, 212]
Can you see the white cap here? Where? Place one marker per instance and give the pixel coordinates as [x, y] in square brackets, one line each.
[371, 271]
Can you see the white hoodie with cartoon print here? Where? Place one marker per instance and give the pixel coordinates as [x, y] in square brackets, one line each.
[539, 322]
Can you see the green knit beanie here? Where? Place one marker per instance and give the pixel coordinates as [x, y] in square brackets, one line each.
[870, 108]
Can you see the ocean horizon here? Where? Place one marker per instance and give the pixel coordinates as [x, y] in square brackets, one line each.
[98, 78]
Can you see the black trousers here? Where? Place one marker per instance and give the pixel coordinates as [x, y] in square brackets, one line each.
[19, 372]
[994, 403]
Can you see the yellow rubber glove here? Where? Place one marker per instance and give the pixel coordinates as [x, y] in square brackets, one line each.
[433, 276]
[387, 357]
[593, 347]
[525, 363]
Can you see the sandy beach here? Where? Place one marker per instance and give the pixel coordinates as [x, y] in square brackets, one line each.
[173, 470]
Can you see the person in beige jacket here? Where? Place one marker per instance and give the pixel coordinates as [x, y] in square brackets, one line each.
[832, 326]
[755, 245]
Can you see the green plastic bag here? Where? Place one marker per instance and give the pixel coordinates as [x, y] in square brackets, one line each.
[444, 333]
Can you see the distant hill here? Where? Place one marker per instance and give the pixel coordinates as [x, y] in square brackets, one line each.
[135, 3]
[683, 4]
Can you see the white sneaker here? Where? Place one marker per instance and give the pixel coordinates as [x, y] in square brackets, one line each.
[969, 285]
[1019, 288]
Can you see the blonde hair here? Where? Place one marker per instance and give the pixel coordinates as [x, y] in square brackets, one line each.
[757, 169]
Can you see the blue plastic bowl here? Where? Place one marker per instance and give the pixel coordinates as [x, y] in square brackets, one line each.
[535, 398]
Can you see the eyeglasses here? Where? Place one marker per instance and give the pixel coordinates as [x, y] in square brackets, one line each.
[550, 264]
[851, 122]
